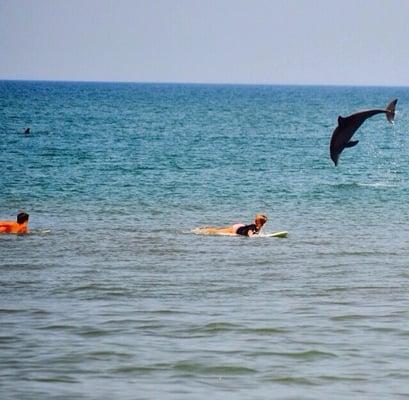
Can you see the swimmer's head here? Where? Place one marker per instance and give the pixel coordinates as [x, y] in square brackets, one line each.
[260, 220]
[22, 217]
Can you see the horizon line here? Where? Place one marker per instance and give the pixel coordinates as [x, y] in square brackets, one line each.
[202, 83]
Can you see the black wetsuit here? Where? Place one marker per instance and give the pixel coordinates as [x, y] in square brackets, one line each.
[244, 230]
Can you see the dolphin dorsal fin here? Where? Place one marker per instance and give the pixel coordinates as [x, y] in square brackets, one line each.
[341, 121]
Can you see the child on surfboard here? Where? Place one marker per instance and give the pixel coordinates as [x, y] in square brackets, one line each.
[236, 229]
[21, 226]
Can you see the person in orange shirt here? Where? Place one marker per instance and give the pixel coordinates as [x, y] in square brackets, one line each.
[21, 226]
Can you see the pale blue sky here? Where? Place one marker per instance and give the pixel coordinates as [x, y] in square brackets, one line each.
[356, 42]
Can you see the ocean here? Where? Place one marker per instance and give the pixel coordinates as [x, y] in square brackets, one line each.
[111, 295]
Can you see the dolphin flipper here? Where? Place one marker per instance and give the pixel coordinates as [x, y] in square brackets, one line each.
[352, 143]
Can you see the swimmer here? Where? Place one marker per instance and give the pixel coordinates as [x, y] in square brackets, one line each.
[237, 229]
[21, 226]
[27, 131]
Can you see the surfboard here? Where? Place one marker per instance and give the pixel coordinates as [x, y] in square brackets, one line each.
[281, 234]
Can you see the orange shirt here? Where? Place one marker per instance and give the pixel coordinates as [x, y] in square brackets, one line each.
[13, 227]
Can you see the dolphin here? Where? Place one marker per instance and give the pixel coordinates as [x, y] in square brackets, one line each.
[347, 126]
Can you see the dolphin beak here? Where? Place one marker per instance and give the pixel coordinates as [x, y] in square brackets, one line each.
[334, 158]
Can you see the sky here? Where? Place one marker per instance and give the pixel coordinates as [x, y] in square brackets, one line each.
[330, 42]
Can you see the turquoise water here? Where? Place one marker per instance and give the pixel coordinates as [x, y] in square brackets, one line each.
[112, 296]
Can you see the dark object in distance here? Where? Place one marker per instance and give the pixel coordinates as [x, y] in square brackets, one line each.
[347, 126]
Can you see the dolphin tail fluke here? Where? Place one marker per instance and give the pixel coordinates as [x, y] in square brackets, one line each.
[390, 111]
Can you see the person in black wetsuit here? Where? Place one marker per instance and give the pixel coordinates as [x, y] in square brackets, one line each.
[237, 229]
[252, 229]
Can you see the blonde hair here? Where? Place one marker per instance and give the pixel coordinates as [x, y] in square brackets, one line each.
[261, 218]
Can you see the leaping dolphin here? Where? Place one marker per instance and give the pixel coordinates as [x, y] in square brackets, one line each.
[347, 126]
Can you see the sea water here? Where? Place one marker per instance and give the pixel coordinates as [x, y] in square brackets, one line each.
[111, 296]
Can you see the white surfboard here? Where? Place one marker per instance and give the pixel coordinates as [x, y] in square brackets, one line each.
[281, 234]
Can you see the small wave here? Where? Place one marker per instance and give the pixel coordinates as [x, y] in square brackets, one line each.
[86, 287]
[134, 369]
[380, 185]
[206, 330]
[11, 310]
[93, 332]
[95, 290]
[398, 375]
[306, 355]
[191, 367]
[384, 329]
[352, 185]
[334, 378]
[55, 379]
[57, 327]
[292, 380]
[8, 339]
[350, 317]
[264, 331]
[166, 312]
[218, 327]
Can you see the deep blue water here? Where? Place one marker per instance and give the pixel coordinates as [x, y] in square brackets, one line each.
[112, 296]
